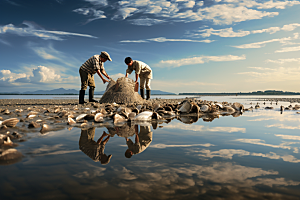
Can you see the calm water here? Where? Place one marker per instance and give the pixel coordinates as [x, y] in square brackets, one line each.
[253, 156]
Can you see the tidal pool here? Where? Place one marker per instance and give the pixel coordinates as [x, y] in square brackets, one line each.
[252, 156]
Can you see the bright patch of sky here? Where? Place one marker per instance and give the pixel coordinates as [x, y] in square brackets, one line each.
[191, 45]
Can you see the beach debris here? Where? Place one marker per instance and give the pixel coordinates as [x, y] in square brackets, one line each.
[12, 122]
[10, 156]
[6, 112]
[238, 106]
[118, 119]
[33, 125]
[45, 128]
[71, 121]
[144, 116]
[131, 115]
[80, 117]
[99, 117]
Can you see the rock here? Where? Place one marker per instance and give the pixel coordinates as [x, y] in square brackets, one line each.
[33, 125]
[12, 122]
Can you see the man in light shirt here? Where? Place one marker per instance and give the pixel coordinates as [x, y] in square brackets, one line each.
[143, 71]
[93, 65]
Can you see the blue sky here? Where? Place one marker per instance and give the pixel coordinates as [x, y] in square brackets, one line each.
[191, 46]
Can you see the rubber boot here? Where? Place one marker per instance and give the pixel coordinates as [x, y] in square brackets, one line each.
[142, 91]
[91, 95]
[148, 94]
[81, 97]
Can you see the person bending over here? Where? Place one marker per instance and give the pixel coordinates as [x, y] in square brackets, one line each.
[143, 71]
[94, 64]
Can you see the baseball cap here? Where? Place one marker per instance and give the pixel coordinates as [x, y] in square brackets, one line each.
[104, 54]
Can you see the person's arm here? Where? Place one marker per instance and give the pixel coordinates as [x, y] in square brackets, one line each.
[105, 74]
[100, 75]
[136, 128]
[136, 77]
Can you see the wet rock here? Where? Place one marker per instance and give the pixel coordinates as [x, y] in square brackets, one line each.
[12, 122]
[10, 156]
[33, 125]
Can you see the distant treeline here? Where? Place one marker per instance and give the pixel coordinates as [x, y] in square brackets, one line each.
[267, 92]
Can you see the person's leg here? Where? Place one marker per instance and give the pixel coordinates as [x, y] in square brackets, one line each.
[148, 88]
[84, 84]
[92, 89]
[142, 87]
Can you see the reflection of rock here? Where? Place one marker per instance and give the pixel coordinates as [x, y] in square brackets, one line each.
[189, 119]
[126, 130]
[10, 156]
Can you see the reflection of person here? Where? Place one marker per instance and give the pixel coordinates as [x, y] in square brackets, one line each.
[143, 71]
[93, 65]
[95, 150]
[142, 141]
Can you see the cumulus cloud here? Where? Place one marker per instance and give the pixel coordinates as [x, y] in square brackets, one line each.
[163, 39]
[198, 60]
[7, 75]
[41, 74]
[33, 30]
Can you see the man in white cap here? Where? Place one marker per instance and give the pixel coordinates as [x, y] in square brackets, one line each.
[94, 64]
[143, 71]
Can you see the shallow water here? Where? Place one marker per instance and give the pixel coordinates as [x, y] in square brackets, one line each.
[253, 156]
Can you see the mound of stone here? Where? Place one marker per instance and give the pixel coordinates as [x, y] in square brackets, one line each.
[121, 92]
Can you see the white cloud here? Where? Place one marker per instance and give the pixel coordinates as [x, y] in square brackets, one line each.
[263, 43]
[163, 146]
[125, 12]
[198, 60]
[146, 21]
[288, 137]
[163, 39]
[91, 12]
[229, 13]
[7, 75]
[227, 32]
[98, 2]
[269, 75]
[277, 4]
[31, 30]
[282, 61]
[116, 76]
[283, 126]
[288, 49]
[262, 143]
[201, 128]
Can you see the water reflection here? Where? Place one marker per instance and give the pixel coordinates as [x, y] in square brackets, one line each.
[93, 149]
[143, 138]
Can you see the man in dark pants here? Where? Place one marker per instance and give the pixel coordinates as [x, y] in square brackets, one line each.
[93, 65]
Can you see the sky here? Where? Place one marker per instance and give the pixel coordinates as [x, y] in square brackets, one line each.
[191, 46]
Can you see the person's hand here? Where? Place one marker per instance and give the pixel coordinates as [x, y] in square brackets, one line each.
[104, 81]
[108, 77]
